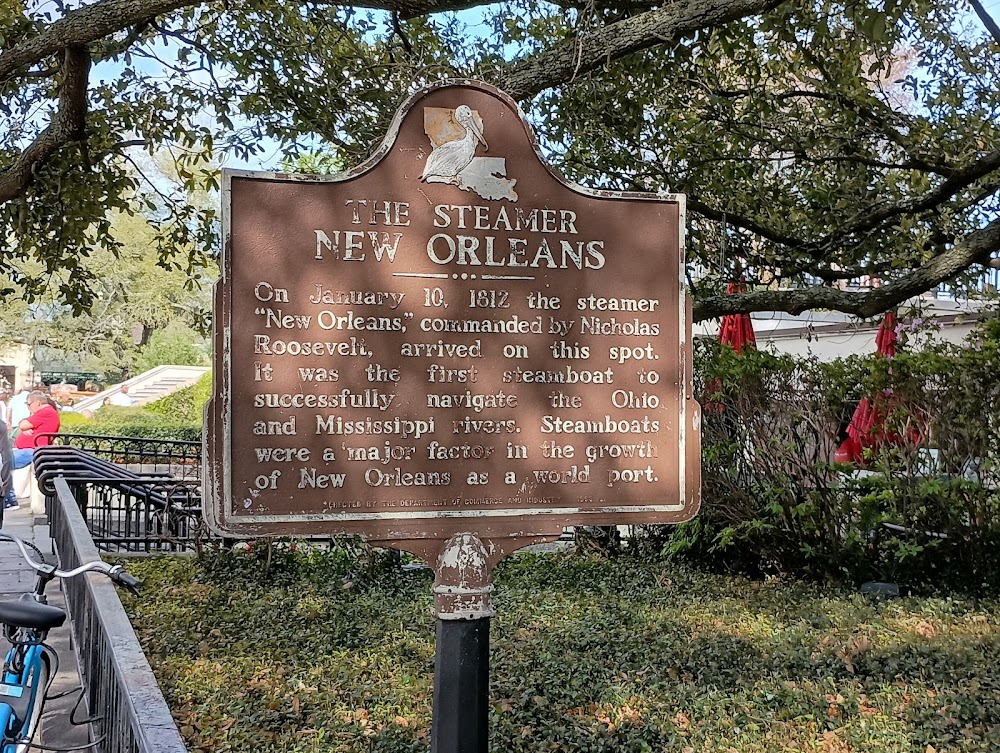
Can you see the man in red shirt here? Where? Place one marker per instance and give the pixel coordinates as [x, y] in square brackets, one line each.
[44, 419]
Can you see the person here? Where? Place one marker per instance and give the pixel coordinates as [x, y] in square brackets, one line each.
[44, 420]
[122, 397]
[17, 408]
[6, 466]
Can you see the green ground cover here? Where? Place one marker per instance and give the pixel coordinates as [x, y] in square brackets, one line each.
[294, 652]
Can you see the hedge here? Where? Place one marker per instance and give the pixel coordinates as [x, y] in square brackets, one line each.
[176, 416]
[922, 511]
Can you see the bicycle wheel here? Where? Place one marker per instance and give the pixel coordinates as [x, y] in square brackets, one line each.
[39, 682]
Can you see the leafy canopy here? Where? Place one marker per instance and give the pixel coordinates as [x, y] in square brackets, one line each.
[140, 316]
[818, 142]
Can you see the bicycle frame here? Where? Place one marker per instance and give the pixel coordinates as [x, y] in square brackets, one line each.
[22, 692]
[28, 667]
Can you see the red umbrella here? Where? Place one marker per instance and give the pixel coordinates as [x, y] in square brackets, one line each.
[885, 338]
[736, 330]
[865, 429]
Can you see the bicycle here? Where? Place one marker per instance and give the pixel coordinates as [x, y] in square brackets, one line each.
[30, 664]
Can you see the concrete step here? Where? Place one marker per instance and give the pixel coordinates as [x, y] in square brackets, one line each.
[149, 386]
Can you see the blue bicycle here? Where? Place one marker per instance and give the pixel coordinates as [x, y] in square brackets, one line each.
[30, 664]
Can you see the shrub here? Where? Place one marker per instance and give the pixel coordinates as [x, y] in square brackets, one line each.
[923, 511]
[69, 421]
[176, 416]
[772, 500]
[187, 404]
[138, 423]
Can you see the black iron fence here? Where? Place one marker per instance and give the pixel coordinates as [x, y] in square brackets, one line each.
[178, 459]
[121, 691]
[137, 496]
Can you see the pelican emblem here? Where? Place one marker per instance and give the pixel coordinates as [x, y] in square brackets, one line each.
[447, 160]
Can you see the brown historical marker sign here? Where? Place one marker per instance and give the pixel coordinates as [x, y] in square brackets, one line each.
[449, 338]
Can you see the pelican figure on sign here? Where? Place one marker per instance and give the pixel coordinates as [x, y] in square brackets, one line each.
[446, 161]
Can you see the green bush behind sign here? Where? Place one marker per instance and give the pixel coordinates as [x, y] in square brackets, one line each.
[177, 416]
[924, 508]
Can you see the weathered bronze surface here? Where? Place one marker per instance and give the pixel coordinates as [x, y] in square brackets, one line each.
[449, 339]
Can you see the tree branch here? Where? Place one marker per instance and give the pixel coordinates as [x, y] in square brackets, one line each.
[67, 125]
[102, 19]
[974, 248]
[720, 215]
[829, 274]
[987, 19]
[877, 114]
[113, 47]
[841, 236]
[958, 180]
[666, 25]
[614, 5]
[81, 27]
[408, 9]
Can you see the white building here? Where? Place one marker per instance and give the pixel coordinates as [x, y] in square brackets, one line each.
[16, 366]
[829, 334]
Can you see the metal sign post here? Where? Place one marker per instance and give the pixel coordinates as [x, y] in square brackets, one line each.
[450, 350]
[463, 609]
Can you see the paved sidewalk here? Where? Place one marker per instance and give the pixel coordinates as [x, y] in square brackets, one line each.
[17, 578]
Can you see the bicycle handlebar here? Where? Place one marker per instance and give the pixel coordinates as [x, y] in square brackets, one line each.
[122, 577]
[117, 573]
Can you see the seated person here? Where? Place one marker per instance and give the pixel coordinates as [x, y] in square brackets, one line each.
[122, 398]
[44, 419]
